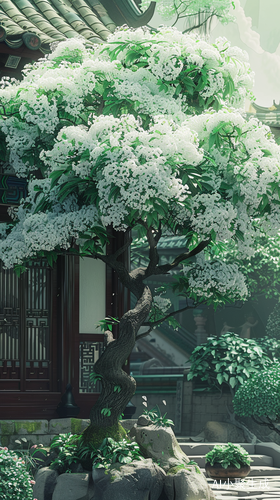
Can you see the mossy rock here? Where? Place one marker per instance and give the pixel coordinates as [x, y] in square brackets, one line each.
[176, 468]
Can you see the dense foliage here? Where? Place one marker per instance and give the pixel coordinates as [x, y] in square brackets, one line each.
[71, 449]
[142, 134]
[273, 323]
[15, 481]
[228, 455]
[227, 359]
[259, 397]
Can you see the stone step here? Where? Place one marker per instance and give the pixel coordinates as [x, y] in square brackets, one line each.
[258, 470]
[255, 488]
[258, 460]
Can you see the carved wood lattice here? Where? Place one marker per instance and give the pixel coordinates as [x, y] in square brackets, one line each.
[25, 342]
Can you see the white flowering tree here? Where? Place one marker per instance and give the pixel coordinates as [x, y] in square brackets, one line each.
[196, 14]
[142, 134]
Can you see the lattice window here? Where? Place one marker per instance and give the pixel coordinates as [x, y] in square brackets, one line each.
[89, 353]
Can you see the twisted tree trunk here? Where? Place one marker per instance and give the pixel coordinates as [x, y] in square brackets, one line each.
[117, 386]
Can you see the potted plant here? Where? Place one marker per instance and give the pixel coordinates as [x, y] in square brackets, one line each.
[227, 461]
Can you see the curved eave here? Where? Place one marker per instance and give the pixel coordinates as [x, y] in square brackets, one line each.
[127, 12]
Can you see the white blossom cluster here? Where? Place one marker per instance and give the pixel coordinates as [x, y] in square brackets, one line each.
[211, 278]
[136, 161]
[162, 303]
[168, 50]
[45, 232]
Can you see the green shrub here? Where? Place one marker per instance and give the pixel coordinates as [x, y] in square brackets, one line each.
[270, 346]
[72, 449]
[228, 455]
[15, 481]
[273, 323]
[227, 359]
[259, 397]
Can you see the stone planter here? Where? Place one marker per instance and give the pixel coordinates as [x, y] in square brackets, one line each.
[216, 471]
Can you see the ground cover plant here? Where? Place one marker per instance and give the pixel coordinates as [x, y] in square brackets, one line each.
[72, 449]
[140, 136]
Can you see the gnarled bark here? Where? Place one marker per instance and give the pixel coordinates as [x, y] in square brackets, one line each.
[110, 363]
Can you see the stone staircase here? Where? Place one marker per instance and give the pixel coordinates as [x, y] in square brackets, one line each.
[263, 482]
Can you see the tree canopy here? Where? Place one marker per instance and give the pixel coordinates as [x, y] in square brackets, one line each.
[144, 132]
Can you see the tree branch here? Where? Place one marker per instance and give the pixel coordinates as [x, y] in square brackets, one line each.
[268, 424]
[153, 324]
[184, 256]
[141, 335]
[153, 240]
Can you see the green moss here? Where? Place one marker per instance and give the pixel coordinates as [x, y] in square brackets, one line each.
[6, 428]
[95, 435]
[29, 426]
[177, 468]
[76, 425]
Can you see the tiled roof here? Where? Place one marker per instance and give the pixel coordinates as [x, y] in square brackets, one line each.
[268, 116]
[37, 23]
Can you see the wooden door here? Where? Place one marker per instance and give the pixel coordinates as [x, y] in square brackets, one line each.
[27, 333]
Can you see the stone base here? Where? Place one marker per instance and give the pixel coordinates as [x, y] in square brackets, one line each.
[37, 432]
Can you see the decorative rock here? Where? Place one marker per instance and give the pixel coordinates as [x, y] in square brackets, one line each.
[144, 420]
[187, 484]
[127, 424]
[76, 468]
[223, 432]
[71, 487]
[45, 482]
[160, 444]
[140, 480]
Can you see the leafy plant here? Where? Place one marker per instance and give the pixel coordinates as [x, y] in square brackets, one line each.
[155, 415]
[270, 346]
[66, 445]
[72, 449]
[259, 397]
[27, 452]
[16, 482]
[227, 359]
[228, 455]
[111, 452]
